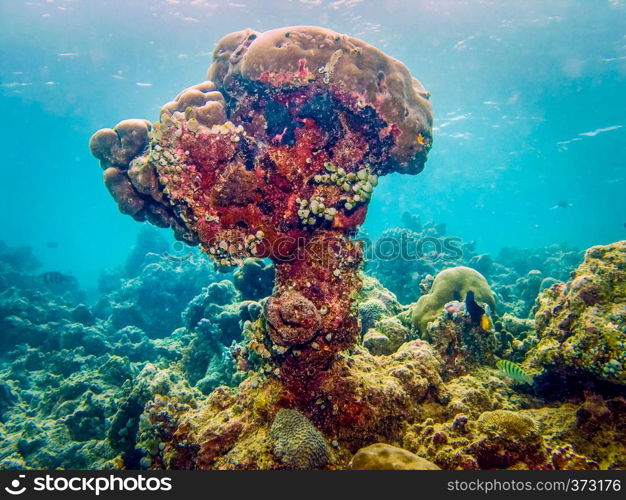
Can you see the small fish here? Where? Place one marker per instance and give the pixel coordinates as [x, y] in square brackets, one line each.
[486, 323]
[179, 258]
[475, 312]
[54, 278]
[562, 204]
[52, 244]
[514, 371]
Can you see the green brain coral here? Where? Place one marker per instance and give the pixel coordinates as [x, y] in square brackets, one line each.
[297, 443]
[508, 425]
[451, 284]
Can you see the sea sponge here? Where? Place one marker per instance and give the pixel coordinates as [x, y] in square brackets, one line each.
[451, 284]
[381, 456]
[297, 443]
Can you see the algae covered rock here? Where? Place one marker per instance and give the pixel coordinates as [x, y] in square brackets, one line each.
[449, 285]
[382, 456]
[370, 312]
[582, 324]
[377, 343]
[542, 439]
[387, 337]
[297, 443]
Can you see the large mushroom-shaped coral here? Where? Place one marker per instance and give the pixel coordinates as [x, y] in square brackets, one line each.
[276, 155]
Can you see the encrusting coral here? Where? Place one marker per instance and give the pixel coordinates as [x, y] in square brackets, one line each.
[581, 324]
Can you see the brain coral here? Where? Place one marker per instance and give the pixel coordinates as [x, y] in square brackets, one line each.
[297, 443]
[451, 284]
[582, 324]
[276, 155]
[382, 456]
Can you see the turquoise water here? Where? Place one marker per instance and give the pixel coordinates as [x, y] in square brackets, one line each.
[528, 96]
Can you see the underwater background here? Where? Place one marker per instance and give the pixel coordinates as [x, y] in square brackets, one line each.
[527, 171]
[528, 100]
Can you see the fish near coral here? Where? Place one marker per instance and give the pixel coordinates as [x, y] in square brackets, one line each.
[475, 311]
[454, 284]
[514, 371]
[54, 278]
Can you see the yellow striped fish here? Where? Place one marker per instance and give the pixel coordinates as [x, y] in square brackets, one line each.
[514, 371]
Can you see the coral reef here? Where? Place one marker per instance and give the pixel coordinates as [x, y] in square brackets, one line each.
[154, 299]
[403, 256]
[75, 382]
[79, 392]
[545, 438]
[406, 259]
[374, 394]
[302, 357]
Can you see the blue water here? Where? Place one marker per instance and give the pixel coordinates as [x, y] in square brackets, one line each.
[528, 96]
